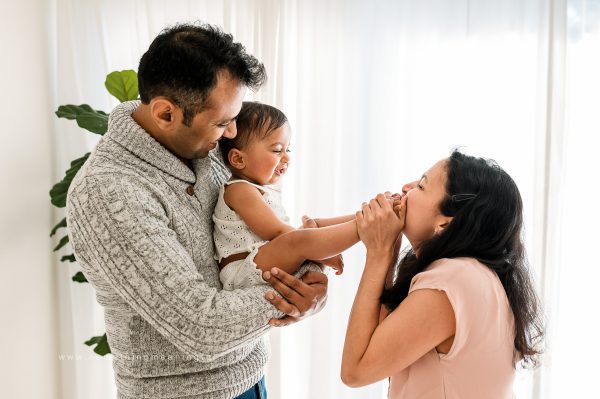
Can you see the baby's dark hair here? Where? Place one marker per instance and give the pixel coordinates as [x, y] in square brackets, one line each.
[254, 122]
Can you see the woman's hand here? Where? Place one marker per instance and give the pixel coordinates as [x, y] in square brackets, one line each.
[380, 222]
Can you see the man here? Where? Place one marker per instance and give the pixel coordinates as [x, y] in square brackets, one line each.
[139, 215]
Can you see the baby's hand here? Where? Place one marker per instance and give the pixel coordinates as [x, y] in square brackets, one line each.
[308, 222]
[396, 200]
[336, 263]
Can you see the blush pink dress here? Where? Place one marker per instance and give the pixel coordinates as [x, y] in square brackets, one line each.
[480, 361]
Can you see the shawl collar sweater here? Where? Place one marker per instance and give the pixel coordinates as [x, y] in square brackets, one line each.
[140, 224]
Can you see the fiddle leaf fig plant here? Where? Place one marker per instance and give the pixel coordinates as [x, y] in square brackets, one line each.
[123, 85]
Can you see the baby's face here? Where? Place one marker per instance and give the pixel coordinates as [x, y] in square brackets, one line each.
[266, 160]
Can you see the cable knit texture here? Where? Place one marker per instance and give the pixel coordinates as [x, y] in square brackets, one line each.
[140, 224]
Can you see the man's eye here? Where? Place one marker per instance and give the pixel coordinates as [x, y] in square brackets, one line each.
[420, 186]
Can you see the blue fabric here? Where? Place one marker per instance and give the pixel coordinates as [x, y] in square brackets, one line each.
[258, 391]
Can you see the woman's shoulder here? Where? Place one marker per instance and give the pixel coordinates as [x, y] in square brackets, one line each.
[462, 273]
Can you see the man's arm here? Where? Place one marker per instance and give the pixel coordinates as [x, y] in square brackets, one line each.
[128, 244]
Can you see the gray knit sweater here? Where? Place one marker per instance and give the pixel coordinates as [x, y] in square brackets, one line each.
[140, 224]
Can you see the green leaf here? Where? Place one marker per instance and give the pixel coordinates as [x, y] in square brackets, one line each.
[93, 121]
[58, 193]
[69, 258]
[79, 278]
[62, 223]
[71, 111]
[62, 243]
[123, 85]
[101, 343]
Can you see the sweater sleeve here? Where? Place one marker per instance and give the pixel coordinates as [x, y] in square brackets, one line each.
[121, 236]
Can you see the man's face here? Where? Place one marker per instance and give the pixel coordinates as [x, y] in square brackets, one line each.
[215, 121]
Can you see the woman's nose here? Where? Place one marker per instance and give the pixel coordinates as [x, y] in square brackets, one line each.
[409, 186]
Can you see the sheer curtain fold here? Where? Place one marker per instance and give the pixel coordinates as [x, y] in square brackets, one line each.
[375, 93]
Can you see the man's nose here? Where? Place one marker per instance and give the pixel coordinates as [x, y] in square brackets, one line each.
[230, 131]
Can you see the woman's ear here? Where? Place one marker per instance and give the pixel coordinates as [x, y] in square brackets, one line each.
[237, 159]
[165, 113]
[442, 223]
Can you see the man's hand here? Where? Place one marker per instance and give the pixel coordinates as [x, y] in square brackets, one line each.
[300, 298]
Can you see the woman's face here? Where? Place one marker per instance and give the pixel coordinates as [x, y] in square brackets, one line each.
[423, 216]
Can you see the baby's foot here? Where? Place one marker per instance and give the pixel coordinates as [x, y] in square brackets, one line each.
[336, 263]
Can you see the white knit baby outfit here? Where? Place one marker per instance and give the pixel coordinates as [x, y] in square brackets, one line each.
[233, 236]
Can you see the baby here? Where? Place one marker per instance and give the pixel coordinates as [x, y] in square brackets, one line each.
[252, 233]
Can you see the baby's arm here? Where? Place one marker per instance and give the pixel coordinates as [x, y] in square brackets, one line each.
[248, 202]
[324, 222]
[287, 248]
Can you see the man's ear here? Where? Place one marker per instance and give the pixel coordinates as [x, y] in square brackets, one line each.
[442, 223]
[165, 114]
[237, 159]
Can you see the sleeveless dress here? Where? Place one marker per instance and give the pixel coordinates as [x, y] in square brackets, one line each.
[480, 362]
[233, 236]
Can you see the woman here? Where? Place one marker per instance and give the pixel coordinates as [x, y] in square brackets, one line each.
[459, 310]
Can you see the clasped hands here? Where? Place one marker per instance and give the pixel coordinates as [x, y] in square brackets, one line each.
[380, 221]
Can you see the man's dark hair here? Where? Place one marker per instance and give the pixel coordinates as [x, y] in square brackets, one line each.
[487, 223]
[183, 62]
[255, 121]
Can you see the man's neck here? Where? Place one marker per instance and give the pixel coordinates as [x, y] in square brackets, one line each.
[141, 116]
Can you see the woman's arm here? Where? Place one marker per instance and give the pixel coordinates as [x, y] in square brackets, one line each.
[377, 346]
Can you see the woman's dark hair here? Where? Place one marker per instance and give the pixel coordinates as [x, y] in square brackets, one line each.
[183, 62]
[255, 121]
[487, 212]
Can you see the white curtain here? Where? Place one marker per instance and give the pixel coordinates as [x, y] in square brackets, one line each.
[376, 91]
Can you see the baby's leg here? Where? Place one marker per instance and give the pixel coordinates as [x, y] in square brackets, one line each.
[290, 250]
